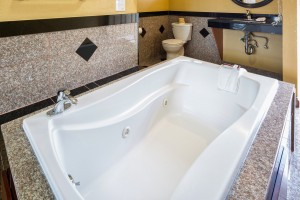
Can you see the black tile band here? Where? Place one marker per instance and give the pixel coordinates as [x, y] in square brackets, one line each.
[152, 14]
[218, 15]
[26, 27]
[50, 101]
[25, 111]
[15, 28]
[203, 14]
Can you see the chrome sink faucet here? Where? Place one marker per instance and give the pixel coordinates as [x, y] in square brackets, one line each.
[64, 102]
[248, 15]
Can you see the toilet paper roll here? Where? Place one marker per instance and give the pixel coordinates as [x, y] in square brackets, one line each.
[140, 30]
[181, 21]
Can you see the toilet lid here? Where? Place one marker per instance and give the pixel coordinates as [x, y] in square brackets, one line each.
[173, 41]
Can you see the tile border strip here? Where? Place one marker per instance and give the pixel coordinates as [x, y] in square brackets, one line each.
[203, 14]
[152, 14]
[26, 27]
[15, 28]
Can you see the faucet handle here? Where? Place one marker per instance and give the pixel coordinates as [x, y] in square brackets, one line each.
[64, 91]
[67, 92]
[61, 94]
[248, 14]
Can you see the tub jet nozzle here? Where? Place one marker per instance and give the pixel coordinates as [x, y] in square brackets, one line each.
[125, 132]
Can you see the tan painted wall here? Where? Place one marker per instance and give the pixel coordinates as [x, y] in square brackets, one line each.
[267, 59]
[218, 6]
[290, 41]
[13, 10]
[152, 5]
[298, 47]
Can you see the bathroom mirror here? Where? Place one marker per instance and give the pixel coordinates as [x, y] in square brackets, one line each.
[252, 3]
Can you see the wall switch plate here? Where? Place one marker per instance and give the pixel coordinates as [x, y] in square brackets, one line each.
[120, 5]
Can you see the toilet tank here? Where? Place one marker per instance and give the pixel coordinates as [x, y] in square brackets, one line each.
[182, 31]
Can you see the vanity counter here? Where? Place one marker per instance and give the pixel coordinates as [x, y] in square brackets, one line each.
[251, 183]
[244, 25]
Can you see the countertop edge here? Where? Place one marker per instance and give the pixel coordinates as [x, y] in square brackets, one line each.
[253, 180]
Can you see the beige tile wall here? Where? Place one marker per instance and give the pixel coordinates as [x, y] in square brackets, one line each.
[33, 67]
[199, 47]
[150, 46]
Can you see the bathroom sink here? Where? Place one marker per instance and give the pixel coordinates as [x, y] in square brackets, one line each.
[247, 21]
[246, 25]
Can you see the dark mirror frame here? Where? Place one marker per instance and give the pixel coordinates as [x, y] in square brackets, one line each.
[252, 5]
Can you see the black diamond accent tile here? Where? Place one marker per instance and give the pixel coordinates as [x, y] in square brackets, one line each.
[161, 29]
[86, 49]
[204, 32]
[143, 32]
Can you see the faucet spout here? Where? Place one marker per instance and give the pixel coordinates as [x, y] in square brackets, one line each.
[248, 15]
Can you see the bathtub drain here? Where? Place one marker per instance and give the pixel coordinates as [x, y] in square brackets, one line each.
[73, 181]
[125, 132]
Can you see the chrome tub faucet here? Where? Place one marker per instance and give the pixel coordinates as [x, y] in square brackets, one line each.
[64, 102]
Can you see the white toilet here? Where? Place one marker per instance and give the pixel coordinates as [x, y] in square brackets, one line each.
[182, 34]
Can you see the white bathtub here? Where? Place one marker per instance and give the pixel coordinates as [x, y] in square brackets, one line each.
[186, 138]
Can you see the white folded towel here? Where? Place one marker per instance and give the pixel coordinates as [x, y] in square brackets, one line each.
[228, 78]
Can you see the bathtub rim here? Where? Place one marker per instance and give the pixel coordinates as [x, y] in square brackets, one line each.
[246, 146]
[175, 61]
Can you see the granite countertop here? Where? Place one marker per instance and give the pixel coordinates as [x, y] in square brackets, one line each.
[244, 25]
[252, 182]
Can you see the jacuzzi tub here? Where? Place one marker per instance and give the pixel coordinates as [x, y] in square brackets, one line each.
[167, 132]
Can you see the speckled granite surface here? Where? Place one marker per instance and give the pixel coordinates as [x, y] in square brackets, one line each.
[253, 180]
[252, 183]
[36, 66]
[260, 71]
[294, 179]
[150, 45]
[202, 48]
[30, 182]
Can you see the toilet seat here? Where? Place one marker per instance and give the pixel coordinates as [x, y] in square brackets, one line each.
[173, 42]
[175, 47]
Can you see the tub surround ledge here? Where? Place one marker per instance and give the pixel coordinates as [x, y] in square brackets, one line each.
[255, 174]
[251, 183]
